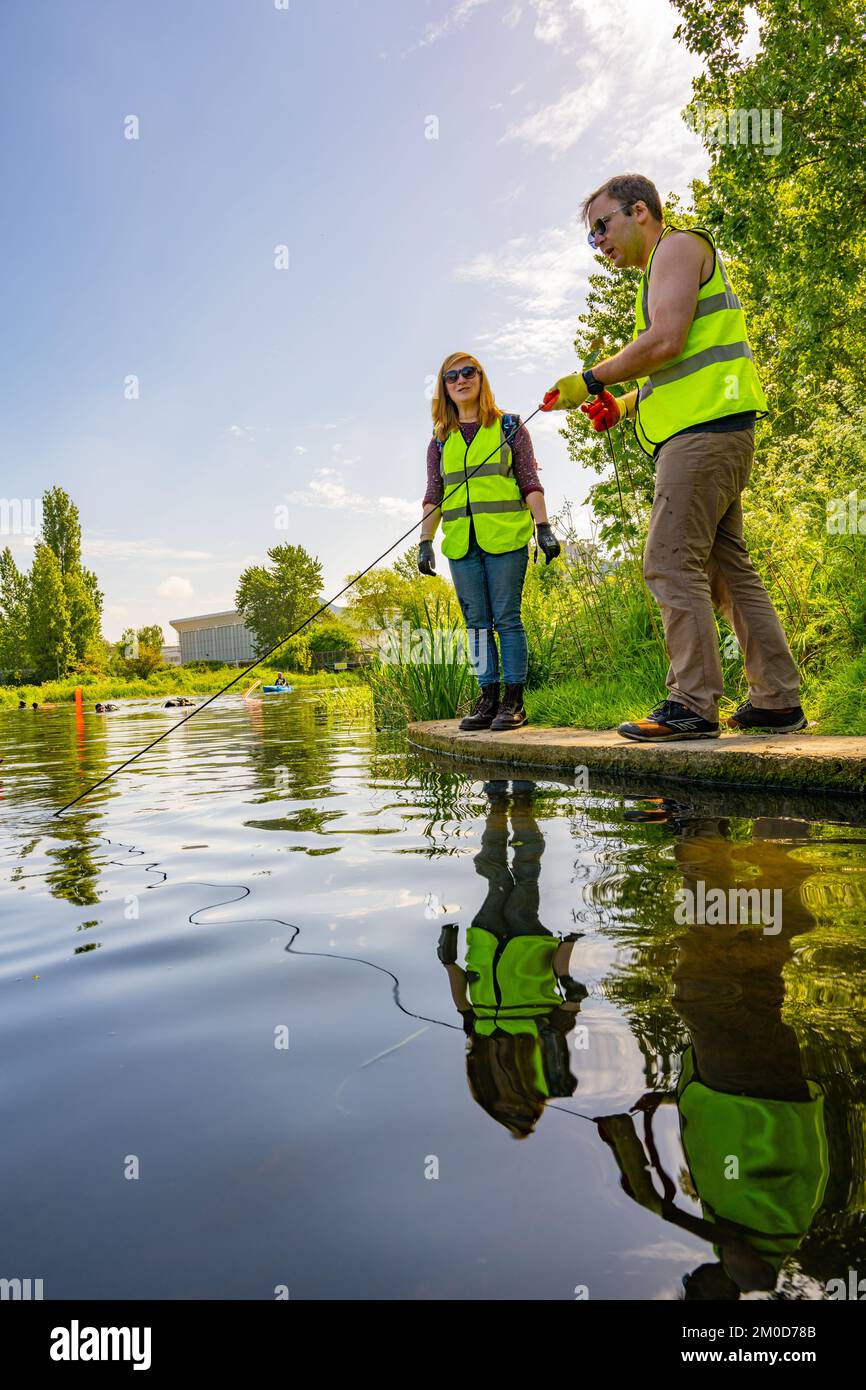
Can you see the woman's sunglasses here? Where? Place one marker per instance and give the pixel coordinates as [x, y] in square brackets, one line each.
[599, 226]
[466, 372]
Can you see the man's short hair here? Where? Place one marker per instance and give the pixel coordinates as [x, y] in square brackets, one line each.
[627, 188]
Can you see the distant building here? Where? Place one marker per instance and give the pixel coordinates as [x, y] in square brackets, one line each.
[214, 637]
[170, 655]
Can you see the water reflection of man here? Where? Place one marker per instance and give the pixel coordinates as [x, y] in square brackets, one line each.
[751, 1122]
[516, 997]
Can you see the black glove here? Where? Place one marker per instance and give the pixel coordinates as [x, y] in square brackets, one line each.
[447, 948]
[426, 558]
[574, 991]
[547, 541]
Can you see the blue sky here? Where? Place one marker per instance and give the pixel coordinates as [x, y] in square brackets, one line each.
[302, 388]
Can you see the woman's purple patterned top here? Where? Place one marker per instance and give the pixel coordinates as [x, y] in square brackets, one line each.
[522, 462]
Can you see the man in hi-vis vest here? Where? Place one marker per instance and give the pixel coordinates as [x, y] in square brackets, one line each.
[694, 411]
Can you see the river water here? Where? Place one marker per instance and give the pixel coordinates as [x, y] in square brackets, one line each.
[247, 1055]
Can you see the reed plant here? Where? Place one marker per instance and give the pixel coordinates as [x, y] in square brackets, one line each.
[405, 685]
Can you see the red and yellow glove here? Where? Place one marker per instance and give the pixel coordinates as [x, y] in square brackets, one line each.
[605, 411]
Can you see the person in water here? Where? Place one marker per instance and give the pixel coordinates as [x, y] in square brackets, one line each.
[179, 702]
[482, 484]
[104, 709]
[22, 704]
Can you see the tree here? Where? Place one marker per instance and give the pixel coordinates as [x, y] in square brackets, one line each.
[14, 641]
[50, 624]
[376, 598]
[273, 601]
[61, 528]
[789, 210]
[384, 596]
[84, 614]
[606, 326]
[331, 635]
[139, 653]
[61, 532]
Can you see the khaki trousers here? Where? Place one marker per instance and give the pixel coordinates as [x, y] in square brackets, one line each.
[695, 558]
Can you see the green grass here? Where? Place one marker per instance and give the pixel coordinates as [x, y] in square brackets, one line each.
[598, 704]
[405, 692]
[838, 703]
[173, 680]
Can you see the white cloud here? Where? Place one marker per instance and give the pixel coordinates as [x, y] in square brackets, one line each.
[299, 449]
[175, 587]
[457, 18]
[101, 548]
[532, 343]
[561, 124]
[327, 491]
[552, 20]
[676, 1250]
[543, 274]
[635, 108]
[512, 195]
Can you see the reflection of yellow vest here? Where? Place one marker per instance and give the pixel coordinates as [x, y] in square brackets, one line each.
[502, 519]
[714, 374]
[781, 1151]
[511, 982]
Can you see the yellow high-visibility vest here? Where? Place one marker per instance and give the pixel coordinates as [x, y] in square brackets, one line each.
[715, 373]
[502, 518]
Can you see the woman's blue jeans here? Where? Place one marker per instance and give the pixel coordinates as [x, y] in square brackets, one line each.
[489, 591]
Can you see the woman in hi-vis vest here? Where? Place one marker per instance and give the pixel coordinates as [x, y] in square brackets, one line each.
[483, 486]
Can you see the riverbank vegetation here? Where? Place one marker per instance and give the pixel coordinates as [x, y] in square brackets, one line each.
[170, 681]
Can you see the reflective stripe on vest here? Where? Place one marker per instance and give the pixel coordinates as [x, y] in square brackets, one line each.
[501, 517]
[715, 373]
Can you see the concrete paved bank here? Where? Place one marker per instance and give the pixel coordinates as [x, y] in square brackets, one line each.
[770, 761]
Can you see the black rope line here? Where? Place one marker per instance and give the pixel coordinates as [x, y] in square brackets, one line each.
[300, 628]
[246, 892]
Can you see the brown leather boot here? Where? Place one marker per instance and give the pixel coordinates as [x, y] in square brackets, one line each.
[486, 706]
[511, 713]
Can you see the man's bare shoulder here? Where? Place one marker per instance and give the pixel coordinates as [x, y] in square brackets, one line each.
[685, 248]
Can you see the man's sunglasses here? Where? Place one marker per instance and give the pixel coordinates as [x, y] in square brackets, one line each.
[599, 226]
[466, 372]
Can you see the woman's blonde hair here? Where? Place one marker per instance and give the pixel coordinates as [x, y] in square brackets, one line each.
[445, 414]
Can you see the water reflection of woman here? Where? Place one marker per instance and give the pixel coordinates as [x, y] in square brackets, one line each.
[515, 995]
[751, 1122]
